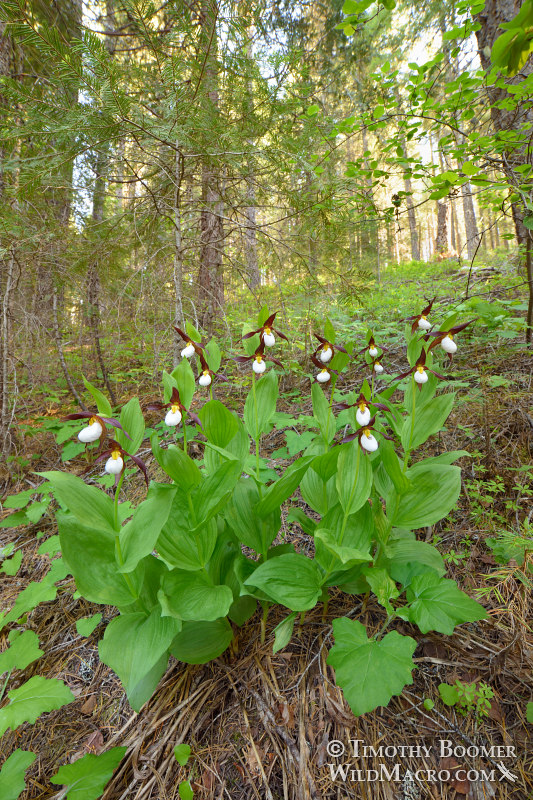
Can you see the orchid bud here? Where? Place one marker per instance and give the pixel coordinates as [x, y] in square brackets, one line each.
[205, 378]
[421, 375]
[269, 338]
[378, 369]
[91, 433]
[188, 351]
[115, 464]
[423, 324]
[173, 416]
[323, 376]
[259, 366]
[326, 354]
[363, 415]
[369, 442]
[372, 352]
[448, 344]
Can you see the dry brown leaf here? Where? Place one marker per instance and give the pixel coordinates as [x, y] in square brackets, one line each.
[89, 705]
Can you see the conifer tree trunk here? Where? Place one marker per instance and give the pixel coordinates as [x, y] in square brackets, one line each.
[496, 12]
[441, 241]
[210, 275]
[471, 228]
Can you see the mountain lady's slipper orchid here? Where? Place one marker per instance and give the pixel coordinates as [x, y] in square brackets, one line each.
[419, 371]
[446, 338]
[96, 429]
[258, 359]
[207, 375]
[366, 437]
[372, 348]
[115, 461]
[363, 414]
[176, 410]
[191, 347]
[325, 373]
[420, 321]
[266, 332]
[326, 350]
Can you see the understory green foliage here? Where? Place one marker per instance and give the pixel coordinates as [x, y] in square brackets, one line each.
[175, 566]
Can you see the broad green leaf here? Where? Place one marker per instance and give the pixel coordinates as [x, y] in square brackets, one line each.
[382, 585]
[283, 632]
[193, 332]
[436, 489]
[200, 642]
[284, 487]
[448, 694]
[185, 790]
[19, 500]
[348, 556]
[370, 672]
[329, 331]
[139, 535]
[354, 477]
[408, 557]
[12, 774]
[50, 547]
[86, 778]
[322, 412]
[437, 604]
[86, 625]
[35, 511]
[31, 700]
[182, 753]
[10, 566]
[392, 466]
[23, 651]
[213, 356]
[90, 555]
[292, 580]
[192, 596]
[132, 420]
[429, 419]
[184, 377]
[102, 403]
[258, 411]
[183, 544]
[90, 505]
[14, 520]
[469, 168]
[219, 424]
[136, 648]
[177, 465]
[215, 489]
[36, 592]
[319, 495]
[249, 528]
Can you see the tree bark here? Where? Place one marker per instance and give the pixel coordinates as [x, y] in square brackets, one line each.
[441, 240]
[471, 229]
[210, 274]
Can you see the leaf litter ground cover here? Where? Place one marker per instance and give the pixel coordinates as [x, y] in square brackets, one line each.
[255, 719]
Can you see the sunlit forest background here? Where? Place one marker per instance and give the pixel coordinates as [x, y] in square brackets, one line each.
[171, 161]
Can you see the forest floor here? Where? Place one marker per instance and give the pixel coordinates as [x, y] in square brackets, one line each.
[259, 724]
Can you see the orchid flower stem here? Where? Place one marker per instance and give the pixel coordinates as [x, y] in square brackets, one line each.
[211, 389]
[257, 434]
[372, 386]
[413, 410]
[185, 434]
[117, 493]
